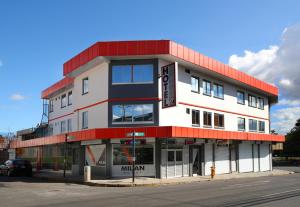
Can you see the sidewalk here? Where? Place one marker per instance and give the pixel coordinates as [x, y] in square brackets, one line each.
[144, 181]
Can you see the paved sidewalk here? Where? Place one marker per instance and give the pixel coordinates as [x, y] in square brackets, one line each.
[144, 181]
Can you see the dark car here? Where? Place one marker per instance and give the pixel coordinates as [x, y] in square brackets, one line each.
[16, 167]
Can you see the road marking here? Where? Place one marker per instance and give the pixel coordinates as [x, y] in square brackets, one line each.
[288, 191]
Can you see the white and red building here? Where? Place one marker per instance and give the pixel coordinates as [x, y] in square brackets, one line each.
[191, 111]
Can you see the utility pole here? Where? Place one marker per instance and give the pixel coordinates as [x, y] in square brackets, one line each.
[133, 156]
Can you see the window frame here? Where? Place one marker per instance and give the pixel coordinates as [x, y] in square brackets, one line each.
[85, 91]
[241, 118]
[70, 93]
[61, 127]
[51, 105]
[237, 97]
[218, 85]
[83, 120]
[217, 115]
[208, 113]
[252, 130]
[198, 88]
[63, 101]
[250, 102]
[204, 88]
[264, 124]
[258, 103]
[69, 125]
[195, 113]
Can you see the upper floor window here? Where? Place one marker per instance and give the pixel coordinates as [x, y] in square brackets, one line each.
[261, 126]
[85, 119]
[127, 74]
[195, 84]
[206, 87]
[252, 125]
[51, 105]
[241, 124]
[196, 117]
[69, 125]
[218, 91]
[63, 126]
[70, 98]
[219, 120]
[50, 130]
[252, 101]
[207, 119]
[132, 113]
[240, 97]
[260, 103]
[63, 100]
[85, 85]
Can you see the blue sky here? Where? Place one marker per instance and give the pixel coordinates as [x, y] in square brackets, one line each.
[37, 37]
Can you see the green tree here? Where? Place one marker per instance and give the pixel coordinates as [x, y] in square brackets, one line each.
[292, 141]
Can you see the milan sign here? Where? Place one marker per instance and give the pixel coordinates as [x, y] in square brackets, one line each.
[168, 85]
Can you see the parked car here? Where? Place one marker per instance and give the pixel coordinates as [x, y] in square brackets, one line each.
[16, 167]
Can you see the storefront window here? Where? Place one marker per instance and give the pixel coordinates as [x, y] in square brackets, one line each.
[122, 155]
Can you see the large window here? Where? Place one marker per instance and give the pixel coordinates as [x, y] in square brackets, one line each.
[122, 154]
[63, 100]
[196, 117]
[260, 103]
[252, 101]
[252, 125]
[85, 120]
[127, 74]
[261, 126]
[241, 124]
[219, 120]
[135, 113]
[240, 97]
[218, 91]
[206, 87]
[70, 98]
[62, 126]
[195, 84]
[207, 119]
[85, 86]
[69, 125]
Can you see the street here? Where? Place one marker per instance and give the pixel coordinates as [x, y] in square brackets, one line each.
[263, 191]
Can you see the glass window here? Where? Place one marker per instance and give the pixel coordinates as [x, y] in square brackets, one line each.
[260, 102]
[195, 117]
[50, 130]
[240, 97]
[122, 154]
[62, 126]
[171, 156]
[206, 87]
[207, 118]
[70, 98]
[85, 86]
[132, 74]
[63, 100]
[219, 120]
[51, 106]
[195, 84]
[143, 73]
[132, 113]
[179, 156]
[121, 74]
[261, 126]
[252, 125]
[69, 125]
[241, 124]
[218, 91]
[84, 120]
[252, 101]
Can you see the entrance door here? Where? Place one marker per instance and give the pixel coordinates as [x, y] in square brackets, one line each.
[175, 163]
[195, 159]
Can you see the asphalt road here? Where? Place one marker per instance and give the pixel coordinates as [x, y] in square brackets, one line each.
[263, 191]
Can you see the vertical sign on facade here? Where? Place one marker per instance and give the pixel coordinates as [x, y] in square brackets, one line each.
[168, 80]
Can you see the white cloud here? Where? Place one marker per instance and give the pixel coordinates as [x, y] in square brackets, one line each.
[285, 118]
[279, 65]
[17, 97]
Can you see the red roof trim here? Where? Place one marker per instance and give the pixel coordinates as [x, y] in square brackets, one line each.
[164, 47]
[57, 86]
[157, 132]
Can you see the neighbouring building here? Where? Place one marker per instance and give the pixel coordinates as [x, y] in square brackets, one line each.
[189, 112]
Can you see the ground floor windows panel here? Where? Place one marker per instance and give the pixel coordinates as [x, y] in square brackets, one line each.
[95, 156]
[122, 159]
[256, 158]
[265, 157]
[245, 157]
[208, 155]
[222, 162]
[233, 161]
